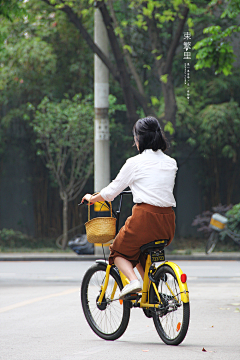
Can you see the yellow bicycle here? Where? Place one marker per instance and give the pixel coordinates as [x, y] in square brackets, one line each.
[164, 296]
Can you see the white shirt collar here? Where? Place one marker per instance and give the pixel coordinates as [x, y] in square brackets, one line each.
[151, 152]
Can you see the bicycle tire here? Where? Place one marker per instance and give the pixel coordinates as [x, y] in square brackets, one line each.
[212, 241]
[110, 319]
[171, 323]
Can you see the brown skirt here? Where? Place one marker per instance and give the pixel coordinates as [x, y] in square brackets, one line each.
[147, 223]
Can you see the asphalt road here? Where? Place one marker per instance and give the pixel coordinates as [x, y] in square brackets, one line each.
[41, 315]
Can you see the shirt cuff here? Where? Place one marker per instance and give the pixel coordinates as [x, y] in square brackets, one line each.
[105, 196]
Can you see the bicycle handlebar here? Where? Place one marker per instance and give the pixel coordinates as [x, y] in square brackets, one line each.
[85, 202]
[124, 192]
[117, 212]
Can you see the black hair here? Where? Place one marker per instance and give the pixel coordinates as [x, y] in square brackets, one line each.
[149, 135]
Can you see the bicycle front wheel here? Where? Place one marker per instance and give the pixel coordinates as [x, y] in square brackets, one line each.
[172, 318]
[110, 319]
[212, 241]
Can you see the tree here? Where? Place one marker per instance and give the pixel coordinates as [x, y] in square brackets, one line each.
[215, 50]
[64, 132]
[42, 55]
[219, 138]
[213, 131]
[145, 59]
[11, 8]
[159, 25]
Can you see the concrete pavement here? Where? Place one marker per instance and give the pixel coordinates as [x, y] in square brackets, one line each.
[58, 256]
[42, 317]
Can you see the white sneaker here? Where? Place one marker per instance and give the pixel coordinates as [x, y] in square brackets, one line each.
[133, 287]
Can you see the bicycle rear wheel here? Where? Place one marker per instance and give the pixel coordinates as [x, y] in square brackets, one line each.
[110, 319]
[212, 241]
[172, 319]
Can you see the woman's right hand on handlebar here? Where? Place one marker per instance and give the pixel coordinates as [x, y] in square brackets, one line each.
[92, 198]
[87, 197]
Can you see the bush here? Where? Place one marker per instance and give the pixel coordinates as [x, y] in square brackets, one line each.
[233, 216]
[203, 220]
[11, 239]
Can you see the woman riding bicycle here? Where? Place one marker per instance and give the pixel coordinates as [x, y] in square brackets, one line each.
[151, 177]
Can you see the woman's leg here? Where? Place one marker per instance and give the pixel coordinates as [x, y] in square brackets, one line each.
[125, 267]
[140, 270]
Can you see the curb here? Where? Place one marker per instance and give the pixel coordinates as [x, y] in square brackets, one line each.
[234, 256]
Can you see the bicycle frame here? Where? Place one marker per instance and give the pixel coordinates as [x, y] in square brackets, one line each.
[233, 235]
[219, 224]
[144, 300]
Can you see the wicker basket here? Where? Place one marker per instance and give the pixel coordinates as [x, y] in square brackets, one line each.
[101, 229]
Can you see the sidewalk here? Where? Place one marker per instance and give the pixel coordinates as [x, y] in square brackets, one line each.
[38, 256]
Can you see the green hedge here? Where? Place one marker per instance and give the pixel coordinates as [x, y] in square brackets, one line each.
[11, 239]
[233, 216]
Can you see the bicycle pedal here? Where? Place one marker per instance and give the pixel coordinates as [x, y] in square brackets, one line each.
[132, 296]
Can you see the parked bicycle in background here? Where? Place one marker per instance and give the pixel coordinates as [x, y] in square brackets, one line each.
[219, 225]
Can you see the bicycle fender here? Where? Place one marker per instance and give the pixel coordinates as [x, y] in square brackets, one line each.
[183, 286]
[103, 262]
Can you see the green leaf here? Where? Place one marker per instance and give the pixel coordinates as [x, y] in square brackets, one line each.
[124, 23]
[164, 78]
[118, 31]
[128, 48]
[159, 57]
[169, 128]
[147, 66]
[192, 141]
[147, 12]
[190, 23]
[154, 100]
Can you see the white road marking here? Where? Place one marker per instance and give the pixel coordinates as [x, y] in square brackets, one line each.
[32, 301]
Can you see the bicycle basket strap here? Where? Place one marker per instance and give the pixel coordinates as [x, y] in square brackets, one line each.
[103, 203]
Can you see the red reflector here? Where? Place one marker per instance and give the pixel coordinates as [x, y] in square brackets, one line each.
[183, 278]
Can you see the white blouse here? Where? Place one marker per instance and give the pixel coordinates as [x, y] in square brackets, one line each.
[150, 176]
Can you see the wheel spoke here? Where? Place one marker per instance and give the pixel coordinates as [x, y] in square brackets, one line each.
[212, 241]
[108, 319]
[171, 322]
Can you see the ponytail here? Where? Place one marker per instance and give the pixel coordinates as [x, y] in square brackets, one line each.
[149, 134]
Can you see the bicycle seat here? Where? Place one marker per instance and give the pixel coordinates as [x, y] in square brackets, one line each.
[154, 245]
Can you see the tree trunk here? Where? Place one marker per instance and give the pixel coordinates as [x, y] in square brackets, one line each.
[170, 101]
[118, 55]
[130, 93]
[65, 221]
[164, 65]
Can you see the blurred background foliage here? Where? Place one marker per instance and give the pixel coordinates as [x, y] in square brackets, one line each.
[44, 56]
